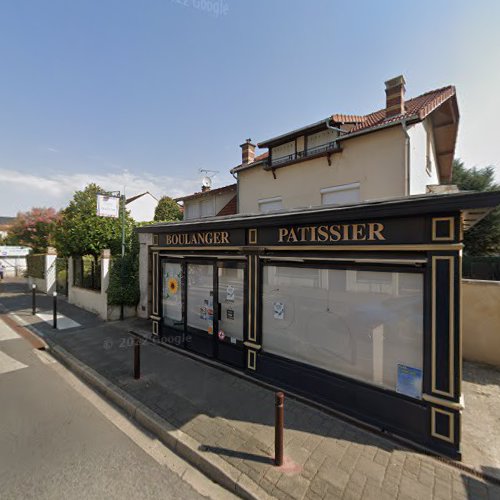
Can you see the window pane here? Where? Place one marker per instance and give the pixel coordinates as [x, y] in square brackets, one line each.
[208, 207]
[200, 297]
[172, 295]
[338, 197]
[270, 206]
[231, 298]
[361, 324]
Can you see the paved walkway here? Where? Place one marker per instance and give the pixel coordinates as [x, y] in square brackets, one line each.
[326, 457]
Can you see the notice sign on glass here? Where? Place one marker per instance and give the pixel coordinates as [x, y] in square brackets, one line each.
[108, 206]
[409, 381]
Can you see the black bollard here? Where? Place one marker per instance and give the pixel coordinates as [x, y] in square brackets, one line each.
[278, 428]
[55, 309]
[33, 299]
[137, 358]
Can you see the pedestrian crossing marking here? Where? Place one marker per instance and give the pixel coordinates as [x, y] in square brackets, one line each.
[7, 333]
[63, 322]
[8, 364]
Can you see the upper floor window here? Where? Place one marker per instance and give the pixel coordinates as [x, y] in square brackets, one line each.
[270, 205]
[201, 208]
[338, 195]
[284, 150]
[321, 138]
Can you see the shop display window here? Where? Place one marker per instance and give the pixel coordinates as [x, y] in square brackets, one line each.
[367, 325]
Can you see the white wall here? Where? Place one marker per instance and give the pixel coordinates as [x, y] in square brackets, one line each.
[420, 178]
[143, 209]
[94, 300]
[14, 266]
[374, 160]
[145, 240]
[219, 200]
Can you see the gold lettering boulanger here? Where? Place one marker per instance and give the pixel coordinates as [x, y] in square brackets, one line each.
[369, 231]
[202, 238]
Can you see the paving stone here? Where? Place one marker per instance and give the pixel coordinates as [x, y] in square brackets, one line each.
[319, 486]
[273, 475]
[415, 489]
[382, 458]
[281, 495]
[295, 486]
[348, 462]
[371, 469]
[442, 489]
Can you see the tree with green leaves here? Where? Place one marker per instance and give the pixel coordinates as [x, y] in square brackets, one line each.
[82, 232]
[35, 228]
[167, 210]
[484, 237]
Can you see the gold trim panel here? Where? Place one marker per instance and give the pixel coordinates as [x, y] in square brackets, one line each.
[451, 229]
[443, 402]
[251, 345]
[156, 291]
[451, 426]
[424, 247]
[252, 236]
[451, 312]
[155, 328]
[252, 360]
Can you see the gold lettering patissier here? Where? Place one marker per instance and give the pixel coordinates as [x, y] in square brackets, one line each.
[369, 231]
[202, 238]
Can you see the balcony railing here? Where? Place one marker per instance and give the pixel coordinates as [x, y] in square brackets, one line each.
[331, 147]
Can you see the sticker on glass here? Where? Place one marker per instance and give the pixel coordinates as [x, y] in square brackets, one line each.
[230, 293]
[221, 335]
[229, 314]
[409, 381]
[279, 310]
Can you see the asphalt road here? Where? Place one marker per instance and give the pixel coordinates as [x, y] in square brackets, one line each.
[58, 439]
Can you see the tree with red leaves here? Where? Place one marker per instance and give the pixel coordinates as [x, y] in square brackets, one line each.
[35, 228]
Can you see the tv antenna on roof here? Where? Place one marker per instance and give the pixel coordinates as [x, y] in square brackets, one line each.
[207, 179]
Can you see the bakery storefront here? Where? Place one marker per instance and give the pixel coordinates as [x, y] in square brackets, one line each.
[356, 307]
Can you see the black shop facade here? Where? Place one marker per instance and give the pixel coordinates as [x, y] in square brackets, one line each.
[355, 307]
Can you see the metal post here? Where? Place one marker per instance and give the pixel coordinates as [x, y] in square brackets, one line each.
[122, 271]
[278, 429]
[33, 299]
[54, 294]
[137, 358]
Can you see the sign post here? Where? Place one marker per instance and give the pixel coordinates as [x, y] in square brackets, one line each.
[108, 205]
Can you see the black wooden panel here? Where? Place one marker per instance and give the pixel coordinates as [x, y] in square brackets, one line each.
[442, 325]
[231, 354]
[201, 344]
[384, 409]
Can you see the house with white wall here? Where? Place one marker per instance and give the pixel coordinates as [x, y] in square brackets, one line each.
[403, 149]
[142, 207]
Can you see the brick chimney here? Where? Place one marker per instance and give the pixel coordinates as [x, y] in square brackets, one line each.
[247, 152]
[395, 96]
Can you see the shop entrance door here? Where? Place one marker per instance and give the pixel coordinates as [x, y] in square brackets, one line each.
[200, 300]
[231, 283]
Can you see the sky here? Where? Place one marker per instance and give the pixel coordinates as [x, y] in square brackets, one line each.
[144, 94]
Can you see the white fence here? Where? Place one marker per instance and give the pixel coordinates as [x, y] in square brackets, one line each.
[96, 301]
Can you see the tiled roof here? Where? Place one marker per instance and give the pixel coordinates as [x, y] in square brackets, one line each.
[137, 196]
[200, 194]
[230, 208]
[418, 107]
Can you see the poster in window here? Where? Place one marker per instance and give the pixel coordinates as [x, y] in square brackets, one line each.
[279, 310]
[230, 293]
[409, 381]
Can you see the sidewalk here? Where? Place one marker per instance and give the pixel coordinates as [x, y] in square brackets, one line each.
[231, 419]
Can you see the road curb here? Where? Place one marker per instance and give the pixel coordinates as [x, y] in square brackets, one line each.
[217, 469]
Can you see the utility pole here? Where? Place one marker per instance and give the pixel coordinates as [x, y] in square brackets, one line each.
[122, 270]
